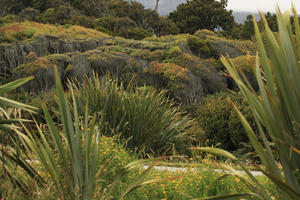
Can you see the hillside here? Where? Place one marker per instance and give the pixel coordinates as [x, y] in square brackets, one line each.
[186, 65]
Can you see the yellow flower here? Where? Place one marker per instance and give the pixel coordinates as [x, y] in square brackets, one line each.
[237, 179]
[191, 159]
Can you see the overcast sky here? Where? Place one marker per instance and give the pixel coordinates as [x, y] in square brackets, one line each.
[263, 5]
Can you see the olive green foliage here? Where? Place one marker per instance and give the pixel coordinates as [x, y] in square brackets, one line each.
[134, 33]
[220, 122]
[170, 76]
[223, 46]
[204, 33]
[7, 19]
[30, 14]
[128, 19]
[212, 82]
[30, 68]
[157, 55]
[16, 36]
[143, 116]
[121, 26]
[202, 14]
[199, 47]
[115, 62]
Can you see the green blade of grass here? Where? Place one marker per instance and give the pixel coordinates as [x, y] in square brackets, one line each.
[13, 85]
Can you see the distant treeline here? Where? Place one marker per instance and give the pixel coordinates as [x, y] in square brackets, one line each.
[130, 19]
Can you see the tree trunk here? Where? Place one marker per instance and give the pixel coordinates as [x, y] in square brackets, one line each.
[156, 5]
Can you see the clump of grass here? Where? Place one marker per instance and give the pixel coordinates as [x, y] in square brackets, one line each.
[143, 116]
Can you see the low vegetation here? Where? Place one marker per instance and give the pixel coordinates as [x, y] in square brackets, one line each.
[27, 30]
[124, 97]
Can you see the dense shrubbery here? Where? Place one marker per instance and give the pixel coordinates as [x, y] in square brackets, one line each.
[144, 117]
[121, 18]
[220, 122]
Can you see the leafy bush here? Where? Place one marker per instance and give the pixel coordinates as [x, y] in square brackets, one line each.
[220, 123]
[143, 116]
[199, 47]
[7, 19]
[134, 33]
[30, 14]
[172, 77]
[204, 33]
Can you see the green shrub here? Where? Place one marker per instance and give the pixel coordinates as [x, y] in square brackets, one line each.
[83, 20]
[106, 22]
[204, 33]
[7, 19]
[145, 54]
[144, 117]
[172, 77]
[220, 123]
[30, 14]
[173, 52]
[22, 35]
[199, 46]
[134, 33]
[4, 38]
[104, 30]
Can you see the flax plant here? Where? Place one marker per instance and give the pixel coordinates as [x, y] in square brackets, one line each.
[143, 116]
[68, 158]
[11, 155]
[276, 108]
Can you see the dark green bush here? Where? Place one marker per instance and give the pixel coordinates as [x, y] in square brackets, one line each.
[134, 33]
[106, 22]
[30, 14]
[104, 30]
[220, 122]
[83, 20]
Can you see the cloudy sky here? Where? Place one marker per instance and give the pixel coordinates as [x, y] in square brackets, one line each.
[263, 5]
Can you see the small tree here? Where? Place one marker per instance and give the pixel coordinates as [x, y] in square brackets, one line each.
[202, 14]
